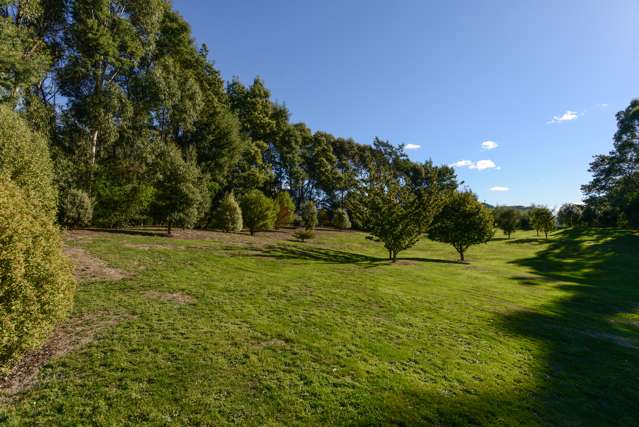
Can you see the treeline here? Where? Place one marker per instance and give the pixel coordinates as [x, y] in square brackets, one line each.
[612, 197]
[143, 129]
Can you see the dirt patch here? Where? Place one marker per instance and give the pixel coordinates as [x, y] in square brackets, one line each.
[174, 297]
[89, 268]
[75, 333]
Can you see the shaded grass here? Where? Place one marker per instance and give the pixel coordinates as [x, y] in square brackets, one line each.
[329, 332]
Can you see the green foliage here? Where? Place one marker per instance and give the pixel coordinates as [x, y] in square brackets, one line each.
[569, 215]
[24, 158]
[323, 218]
[543, 220]
[341, 219]
[507, 219]
[258, 211]
[304, 235]
[398, 214]
[181, 194]
[309, 215]
[76, 209]
[229, 214]
[462, 222]
[285, 208]
[614, 189]
[36, 285]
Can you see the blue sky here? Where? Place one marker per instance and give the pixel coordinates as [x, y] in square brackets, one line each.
[445, 76]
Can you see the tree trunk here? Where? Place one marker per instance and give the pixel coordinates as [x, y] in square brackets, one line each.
[168, 228]
[461, 256]
[394, 256]
[94, 147]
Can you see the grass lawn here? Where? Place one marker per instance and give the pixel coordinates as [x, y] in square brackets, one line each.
[213, 329]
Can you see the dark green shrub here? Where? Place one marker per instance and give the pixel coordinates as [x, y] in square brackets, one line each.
[303, 235]
[309, 215]
[341, 220]
[229, 214]
[76, 209]
[285, 209]
[258, 211]
[36, 284]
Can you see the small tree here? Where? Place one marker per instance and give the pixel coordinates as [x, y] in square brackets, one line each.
[76, 209]
[569, 215]
[507, 219]
[396, 213]
[258, 211]
[180, 195]
[341, 219]
[462, 222]
[544, 221]
[309, 215]
[285, 209]
[229, 214]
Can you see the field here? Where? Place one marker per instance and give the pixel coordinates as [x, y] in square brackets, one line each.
[210, 329]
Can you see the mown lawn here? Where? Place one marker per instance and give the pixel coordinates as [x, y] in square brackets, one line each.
[219, 329]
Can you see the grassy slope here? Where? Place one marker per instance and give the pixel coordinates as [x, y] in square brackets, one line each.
[327, 332]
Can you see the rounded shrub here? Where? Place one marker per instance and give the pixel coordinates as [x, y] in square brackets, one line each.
[76, 209]
[229, 214]
[309, 215]
[258, 211]
[285, 209]
[24, 158]
[36, 282]
[341, 220]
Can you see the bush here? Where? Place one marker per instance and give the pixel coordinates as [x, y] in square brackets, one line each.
[303, 235]
[24, 158]
[76, 209]
[323, 218]
[285, 209]
[258, 211]
[341, 220]
[36, 284]
[229, 214]
[309, 215]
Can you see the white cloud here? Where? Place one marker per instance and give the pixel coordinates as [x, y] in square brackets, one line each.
[412, 147]
[462, 164]
[499, 189]
[489, 145]
[479, 165]
[568, 116]
[483, 164]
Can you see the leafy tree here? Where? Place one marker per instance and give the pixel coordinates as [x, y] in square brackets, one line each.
[180, 190]
[341, 219]
[507, 219]
[76, 209]
[229, 214]
[462, 222]
[285, 209]
[309, 215]
[258, 211]
[543, 220]
[569, 215]
[396, 214]
[614, 187]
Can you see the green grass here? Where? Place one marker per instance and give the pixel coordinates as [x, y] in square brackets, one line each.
[327, 332]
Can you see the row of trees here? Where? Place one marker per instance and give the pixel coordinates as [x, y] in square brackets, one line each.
[141, 123]
[538, 218]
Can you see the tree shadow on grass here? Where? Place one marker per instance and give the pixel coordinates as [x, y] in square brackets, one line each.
[150, 232]
[591, 373]
[332, 256]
